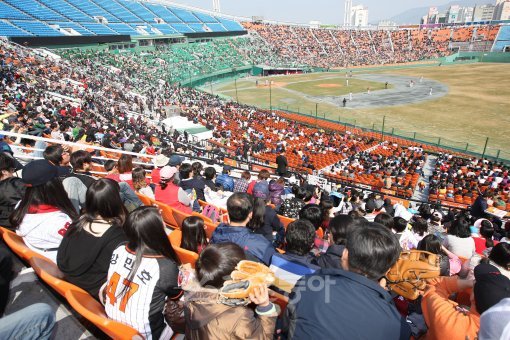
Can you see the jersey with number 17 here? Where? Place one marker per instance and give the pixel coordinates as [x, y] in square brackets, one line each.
[140, 302]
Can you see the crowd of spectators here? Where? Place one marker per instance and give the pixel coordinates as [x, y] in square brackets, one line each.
[462, 180]
[330, 48]
[388, 166]
[346, 239]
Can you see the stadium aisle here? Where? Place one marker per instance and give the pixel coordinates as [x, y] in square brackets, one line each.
[423, 195]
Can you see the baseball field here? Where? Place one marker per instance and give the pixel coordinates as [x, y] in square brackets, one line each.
[454, 105]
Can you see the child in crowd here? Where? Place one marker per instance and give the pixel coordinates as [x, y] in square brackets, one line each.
[207, 318]
[450, 263]
[140, 183]
[193, 234]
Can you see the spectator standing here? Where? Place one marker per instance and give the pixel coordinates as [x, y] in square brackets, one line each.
[281, 163]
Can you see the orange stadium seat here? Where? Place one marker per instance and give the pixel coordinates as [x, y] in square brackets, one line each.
[167, 214]
[185, 256]
[18, 246]
[285, 220]
[51, 275]
[92, 310]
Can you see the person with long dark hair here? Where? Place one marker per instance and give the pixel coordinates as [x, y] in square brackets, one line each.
[500, 258]
[486, 240]
[459, 240]
[194, 237]
[45, 212]
[339, 227]
[85, 252]
[142, 274]
[256, 223]
[450, 263]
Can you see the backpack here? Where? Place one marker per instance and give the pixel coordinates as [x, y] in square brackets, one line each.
[261, 189]
[211, 212]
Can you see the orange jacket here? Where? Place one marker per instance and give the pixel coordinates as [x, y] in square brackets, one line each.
[443, 319]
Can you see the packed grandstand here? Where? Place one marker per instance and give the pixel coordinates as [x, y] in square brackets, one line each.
[227, 236]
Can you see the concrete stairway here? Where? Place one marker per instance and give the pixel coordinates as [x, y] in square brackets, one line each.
[423, 195]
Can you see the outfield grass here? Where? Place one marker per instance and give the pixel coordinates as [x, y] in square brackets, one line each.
[477, 105]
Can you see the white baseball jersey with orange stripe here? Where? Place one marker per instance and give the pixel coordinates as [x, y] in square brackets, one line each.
[140, 303]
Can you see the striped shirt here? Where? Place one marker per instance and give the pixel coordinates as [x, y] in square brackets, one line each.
[289, 268]
[140, 303]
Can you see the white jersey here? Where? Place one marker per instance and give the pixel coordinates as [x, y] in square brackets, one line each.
[43, 230]
[142, 303]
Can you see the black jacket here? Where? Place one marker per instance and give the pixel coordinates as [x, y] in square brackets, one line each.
[281, 163]
[11, 192]
[332, 257]
[345, 306]
[479, 206]
[85, 259]
[271, 223]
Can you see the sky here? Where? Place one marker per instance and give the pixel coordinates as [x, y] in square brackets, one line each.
[304, 11]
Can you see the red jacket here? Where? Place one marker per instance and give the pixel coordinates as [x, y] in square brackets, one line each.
[170, 196]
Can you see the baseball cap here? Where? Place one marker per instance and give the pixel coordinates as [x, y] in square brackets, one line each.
[175, 160]
[160, 160]
[38, 172]
[168, 172]
[490, 286]
[478, 222]
[227, 167]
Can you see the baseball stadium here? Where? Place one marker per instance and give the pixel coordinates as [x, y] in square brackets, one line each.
[175, 172]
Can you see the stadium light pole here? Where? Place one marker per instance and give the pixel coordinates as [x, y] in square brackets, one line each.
[316, 114]
[270, 98]
[485, 147]
[382, 130]
[235, 83]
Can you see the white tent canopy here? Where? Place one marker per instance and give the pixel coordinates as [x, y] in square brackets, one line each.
[182, 124]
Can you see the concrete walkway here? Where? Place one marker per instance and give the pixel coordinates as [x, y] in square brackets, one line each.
[26, 289]
[429, 166]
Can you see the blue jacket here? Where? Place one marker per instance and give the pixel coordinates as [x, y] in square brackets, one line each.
[225, 181]
[253, 244]
[337, 304]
